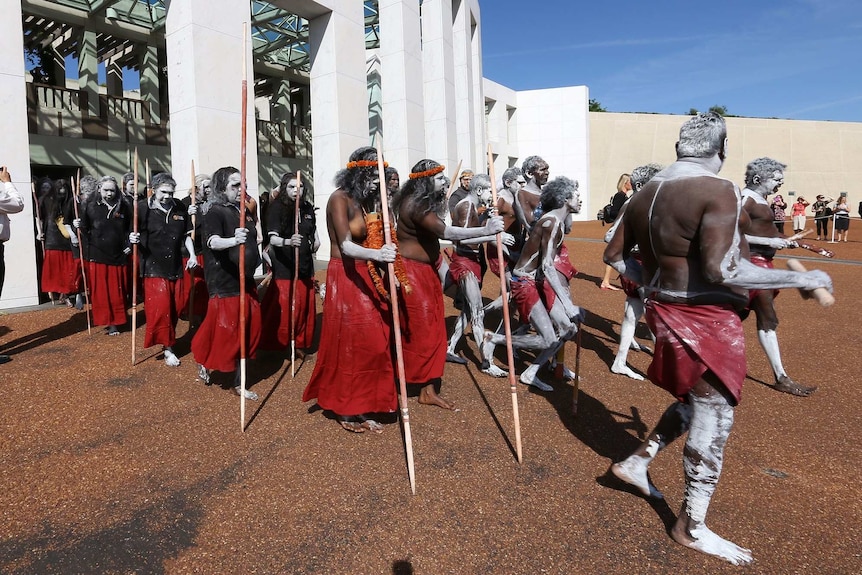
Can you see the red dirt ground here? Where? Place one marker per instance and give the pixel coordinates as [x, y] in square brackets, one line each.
[109, 468]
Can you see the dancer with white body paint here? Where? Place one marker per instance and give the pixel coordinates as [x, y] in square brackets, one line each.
[536, 172]
[763, 177]
[634, 306]
[686, 222]
[467, 268]
[542, 296]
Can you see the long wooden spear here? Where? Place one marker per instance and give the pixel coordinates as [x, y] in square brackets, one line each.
[76, 193]
[396, 321]
[135, 255]
[191, 310]
[38, 219]
[506, 323]
[453, 182]
[242, 197]
[295, 277]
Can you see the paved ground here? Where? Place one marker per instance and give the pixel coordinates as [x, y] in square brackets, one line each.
[109, 468]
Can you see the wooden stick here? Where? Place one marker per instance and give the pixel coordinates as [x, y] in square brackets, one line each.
[38, 217]
[820, 294]
[191, 309]
[396, 321]
[147, 186]
[242, 198]
[454, 183]
[295, 277]
[510, 356]
[76, 193]
[576, 389]
[816, 249]
[135, 256]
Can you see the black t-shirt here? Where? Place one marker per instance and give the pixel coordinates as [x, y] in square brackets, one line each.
[281, 222]
[459, 194]
[221, 267]
[107, 229]
[617, 204]
[50, 212]
[69, 216]
[163, 233]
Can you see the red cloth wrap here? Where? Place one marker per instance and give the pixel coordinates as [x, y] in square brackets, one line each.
[460, 266]
[761, 262]
[163, 301]
[275, 308]
[195, 281]
[423, 332]
[216, 343]
[108, 287]
[353, 374]
[691, 339]
[60, 272]
[525, 292]
[563, 264]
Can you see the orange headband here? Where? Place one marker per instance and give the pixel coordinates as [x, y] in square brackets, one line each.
[427, 173]
[364, 164]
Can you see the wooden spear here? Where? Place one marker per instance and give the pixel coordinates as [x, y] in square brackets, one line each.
[396, 321]
[506, 322]
[38, 219]
[135, 255]
[453, 183]
[76, 193]
[242, 198]
[576, 390]
[190, 312]
[295, 277]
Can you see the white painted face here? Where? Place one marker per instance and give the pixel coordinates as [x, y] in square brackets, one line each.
[516, 185]
[485, 195]
[574, 202]
[108, 191]
[206, 186]
[439, 182]
[130, 188]
[774, 182]
[234, 183]
[291, 189]
[164, 193]
[541, 174]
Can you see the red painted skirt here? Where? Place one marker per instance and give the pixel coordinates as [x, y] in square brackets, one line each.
[460, 266]
[353, 374]
[216, 343]
[195, 282]
[60, 272]
[423, 332]
[108, 288]
[275, 308]
[691, 339]
[525, 292]
[163, 301]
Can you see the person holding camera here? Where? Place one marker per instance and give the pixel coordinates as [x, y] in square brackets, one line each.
[10, 203]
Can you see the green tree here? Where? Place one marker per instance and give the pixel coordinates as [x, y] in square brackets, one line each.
[596, 106]
[720, 110]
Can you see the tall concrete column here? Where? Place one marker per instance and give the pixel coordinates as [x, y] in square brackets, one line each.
[204, 40]
[464, 99]
[20, 288]
[114, 79]
[339, 98]
[480, 136]
[439, 84]
[88, 70]
[403, 99]
[281, 104]
[150, 82]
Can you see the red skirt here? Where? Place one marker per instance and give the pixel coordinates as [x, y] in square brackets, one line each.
[525, 292]
[275, 334]
[353, 374]
[691, 339]
[423, 332]
[761, 262]
[163, 300]
[196, 283]
[460, 266]
[216, 343]
[108, 288]
[563, 264]
[60, 272]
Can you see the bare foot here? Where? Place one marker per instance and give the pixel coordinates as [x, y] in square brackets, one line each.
[352, 426]
[627, 371]
[370, 424]
[634, 471]
[787, 385]
[452, 358]
[702, 539]
[204, 375]
[249, 394]
[494, 371]
[171, 360]
[568, 374]
[428, 396]
[610, 287]
[533, 379]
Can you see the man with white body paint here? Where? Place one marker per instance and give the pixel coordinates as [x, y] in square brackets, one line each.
[538, 288]
[634, 306]
[467, 268]
[536, 171]
[686, 222]
[764, 176]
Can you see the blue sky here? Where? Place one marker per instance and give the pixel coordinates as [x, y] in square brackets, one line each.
[796, 59]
